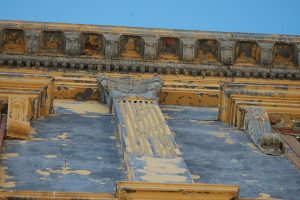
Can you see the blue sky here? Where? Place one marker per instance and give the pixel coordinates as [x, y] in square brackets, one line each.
[255, 16]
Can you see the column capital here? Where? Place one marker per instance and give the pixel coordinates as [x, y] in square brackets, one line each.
[112, 87]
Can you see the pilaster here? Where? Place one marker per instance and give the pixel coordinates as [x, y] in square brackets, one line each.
[145, 136]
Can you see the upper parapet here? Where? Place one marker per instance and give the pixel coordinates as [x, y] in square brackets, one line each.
[91, 47]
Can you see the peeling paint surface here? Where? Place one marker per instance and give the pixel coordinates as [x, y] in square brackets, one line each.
[68, 152]
[68, 106]
[221, 154]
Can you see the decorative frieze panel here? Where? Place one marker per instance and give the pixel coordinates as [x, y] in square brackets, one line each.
[149, 50]
[73, 47]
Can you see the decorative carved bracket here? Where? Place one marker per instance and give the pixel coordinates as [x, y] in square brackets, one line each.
[150, 51]
[188, 49]
[18, 122]
[266, 54]
[227, 52]
[111, 45]
[72, 43]
[32, 41]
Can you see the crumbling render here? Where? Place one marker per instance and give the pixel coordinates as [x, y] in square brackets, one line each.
[257, 126]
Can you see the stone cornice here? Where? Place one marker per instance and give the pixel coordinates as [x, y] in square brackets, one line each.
[108, 48]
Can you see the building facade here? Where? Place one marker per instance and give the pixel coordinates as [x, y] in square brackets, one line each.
[100, 112]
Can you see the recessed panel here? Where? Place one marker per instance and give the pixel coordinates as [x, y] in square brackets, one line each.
[131, 47]
[284, 54]
[247, 52]
[92, 44]
[168, 48]
[53, 42]
[207, 52]
[13, 41]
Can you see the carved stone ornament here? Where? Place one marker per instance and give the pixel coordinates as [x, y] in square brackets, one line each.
[227, 52]
[32, 41]
[188, 49]
[266, 54]
[18, 124]
[150, 49]
[72, 43]
[111, 45]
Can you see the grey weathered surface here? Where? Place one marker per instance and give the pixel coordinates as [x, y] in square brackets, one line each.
[219, 153]
[63, 143]
[257, 126]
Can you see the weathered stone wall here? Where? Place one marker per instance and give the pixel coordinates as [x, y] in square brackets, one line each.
[124, 49]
